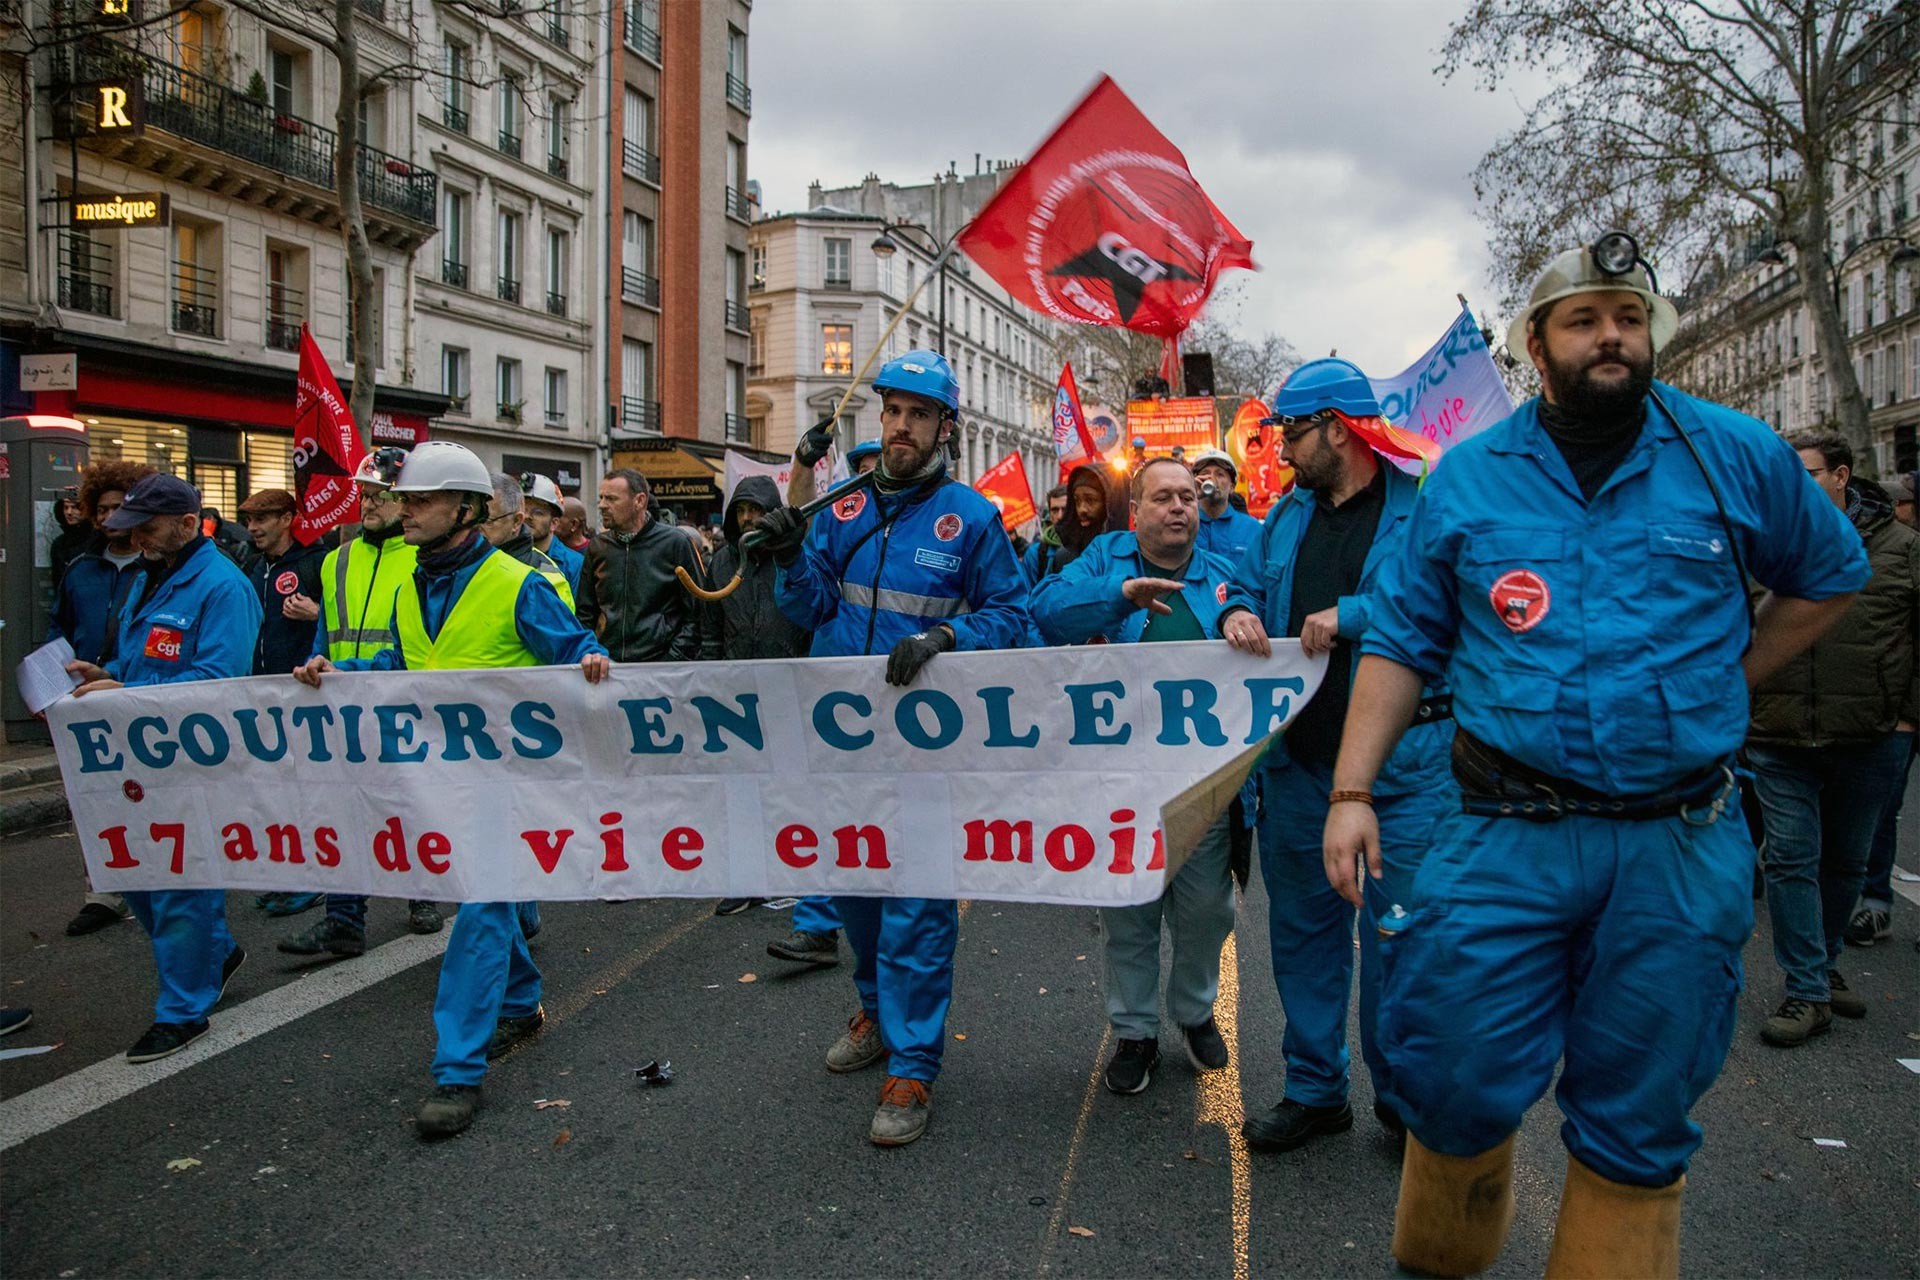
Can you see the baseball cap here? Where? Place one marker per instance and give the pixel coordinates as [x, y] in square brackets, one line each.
[155, 495]
[267, 502]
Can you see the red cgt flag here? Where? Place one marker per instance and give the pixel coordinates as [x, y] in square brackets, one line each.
[1004, 484]
[1106, 225]
[1071, 439]
[326, 449]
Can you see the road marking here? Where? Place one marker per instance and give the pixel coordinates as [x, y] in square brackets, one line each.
[1906, 889]
[1059, 1215]
[1220, 1103]
[621, 970]
[106, 1082]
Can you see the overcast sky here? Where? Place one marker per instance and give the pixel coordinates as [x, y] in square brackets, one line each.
[1317, 126]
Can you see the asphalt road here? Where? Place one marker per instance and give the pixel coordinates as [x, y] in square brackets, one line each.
[754, 1162]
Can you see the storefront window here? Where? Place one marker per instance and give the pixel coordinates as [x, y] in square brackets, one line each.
[269, 461]
[154, 443]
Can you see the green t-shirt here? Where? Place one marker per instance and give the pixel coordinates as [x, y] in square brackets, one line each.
[1178, 625]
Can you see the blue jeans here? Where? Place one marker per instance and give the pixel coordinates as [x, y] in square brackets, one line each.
[1878, 890]
[1821, 806]
[350, 909]
[1198, 910]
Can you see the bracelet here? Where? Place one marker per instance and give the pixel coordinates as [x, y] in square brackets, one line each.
[1351, 797]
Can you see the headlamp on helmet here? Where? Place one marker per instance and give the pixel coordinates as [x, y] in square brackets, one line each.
[380, 469]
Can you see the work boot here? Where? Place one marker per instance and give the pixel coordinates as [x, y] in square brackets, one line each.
[164, 1038]
[447, 1110]
[1608, 1229]
[905, 1107]
[1870, 924]
[1131, 1068]
[509, 1032]
[1454, 1211]
[860, 1047]
[1795, 1022]
[1289, 1124]
[1843, 999]
[735, 906]
[424, 917]
[802, 947]
[94, 917]
[335, 937]
[1206, 1047]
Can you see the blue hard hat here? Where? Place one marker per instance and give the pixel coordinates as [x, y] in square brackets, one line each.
[865, 449]
[1331, 383]
[921, 373]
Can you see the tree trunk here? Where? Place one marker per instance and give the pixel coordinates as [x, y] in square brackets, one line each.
[364, 306]
[1817, 286]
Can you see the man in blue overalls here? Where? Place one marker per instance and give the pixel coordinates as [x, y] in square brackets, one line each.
[1149, 586]
[1224, 529]
[1308, 575]
[194, 617]
[468, 606]
[913, 568]
[1578, 571]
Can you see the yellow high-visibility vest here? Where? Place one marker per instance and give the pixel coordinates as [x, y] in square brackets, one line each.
[479, 629]
[358, 583]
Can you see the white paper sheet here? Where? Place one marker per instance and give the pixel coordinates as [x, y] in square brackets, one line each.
[43, 677]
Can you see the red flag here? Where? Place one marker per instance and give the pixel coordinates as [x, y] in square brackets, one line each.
[1072, 442]
[326, 449]
[1004, 484]
[1265, 478]
[1106, 225]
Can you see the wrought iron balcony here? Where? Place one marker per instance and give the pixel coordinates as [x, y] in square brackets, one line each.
[222, 119]
[556, 304]
[736, 316]
[736, 204]
[510, 144]
[739, 429]
[641, 38]
[453, 273]
[557, 166]
[738, 93]
[508, 290]
[77, 293]
[639, 415]
[196, 299]
[285, 307]
[455, 118]
[641, 163]
[556, 31]
[638, 286]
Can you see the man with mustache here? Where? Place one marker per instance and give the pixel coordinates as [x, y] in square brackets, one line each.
[1578, 571]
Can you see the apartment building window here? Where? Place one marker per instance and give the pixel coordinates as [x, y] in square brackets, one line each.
[736, 285]
[509, 402]
[196, 278]
[638, 158]
[455, 373]
[737, 430]
[556, 272]
[554, 401]
[457, 102]
[558, 116]
[836, 349]
[1890, 372]
[508, 250]
[737, 92]
[372, 128]
[758, 276]
[511, 110]
[286, 297]
[839, 258]
[287, 81]
[86, 271]
[454, 232]
[1793, 335]
[643, 27]
[638, 412]
[757, 349]
[884, 274]
[194, 39]
[557, 22]
[736, 179]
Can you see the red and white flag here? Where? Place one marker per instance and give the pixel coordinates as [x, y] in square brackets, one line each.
[1004, 484]
[1072, 442]
[326, 449]
[1106, 225]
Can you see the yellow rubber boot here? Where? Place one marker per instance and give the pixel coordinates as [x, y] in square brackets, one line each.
[1612, 1231]
[1454, 1210]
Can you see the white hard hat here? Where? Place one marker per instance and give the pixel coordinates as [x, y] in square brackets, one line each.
[1220, 456]
[1611, 263]
[539, 488]
[441, 466]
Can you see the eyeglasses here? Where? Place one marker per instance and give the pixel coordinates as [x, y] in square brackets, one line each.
[1295, 429]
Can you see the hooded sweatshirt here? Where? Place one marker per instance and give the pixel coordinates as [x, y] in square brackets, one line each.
[1063, 542]
[750, 624]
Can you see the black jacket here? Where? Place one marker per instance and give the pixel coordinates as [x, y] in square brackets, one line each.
[750, 624]
[630, 599]
[285, 643]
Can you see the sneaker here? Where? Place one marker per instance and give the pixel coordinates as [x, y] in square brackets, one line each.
[1131, 1069]
[424, 917]
[861, 1047]
[905, 1107]
[509, 1032]
[1843, 999]
[734, 906]
[447, 1110]
[14, 1017]
[94, 917]
[165, 1038]
[1869, 925]
[1795, 1022]
[1206, 1048]
[292, 904]
[802, 947]
[229, 967]
[334, 937]
[1289, 1124]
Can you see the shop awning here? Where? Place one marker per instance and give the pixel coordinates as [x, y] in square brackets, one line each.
[673, 473]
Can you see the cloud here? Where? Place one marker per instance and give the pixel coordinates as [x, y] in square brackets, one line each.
[1319, 128]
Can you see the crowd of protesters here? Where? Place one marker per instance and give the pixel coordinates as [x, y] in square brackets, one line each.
[1464, 688]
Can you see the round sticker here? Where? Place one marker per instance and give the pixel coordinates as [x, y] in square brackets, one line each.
[287, 583]
[1220, 592]
[947, 527]
[851, 505]
[1520, 599]
[133, 791]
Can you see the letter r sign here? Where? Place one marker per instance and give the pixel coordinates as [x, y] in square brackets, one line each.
[120, 107]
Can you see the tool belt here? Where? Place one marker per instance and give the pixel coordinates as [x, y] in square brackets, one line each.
[1495, 785]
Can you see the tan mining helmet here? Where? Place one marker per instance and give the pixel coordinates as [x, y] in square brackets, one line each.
[1612, 262]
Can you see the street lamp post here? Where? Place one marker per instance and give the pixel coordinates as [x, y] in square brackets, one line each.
[884, 247]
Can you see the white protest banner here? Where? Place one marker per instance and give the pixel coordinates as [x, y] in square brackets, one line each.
[1448, 394]
[827, 472]
[1023, 775]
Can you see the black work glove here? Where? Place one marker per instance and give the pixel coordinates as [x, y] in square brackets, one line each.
[781, 531]
[915, 652]
[814, 444]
